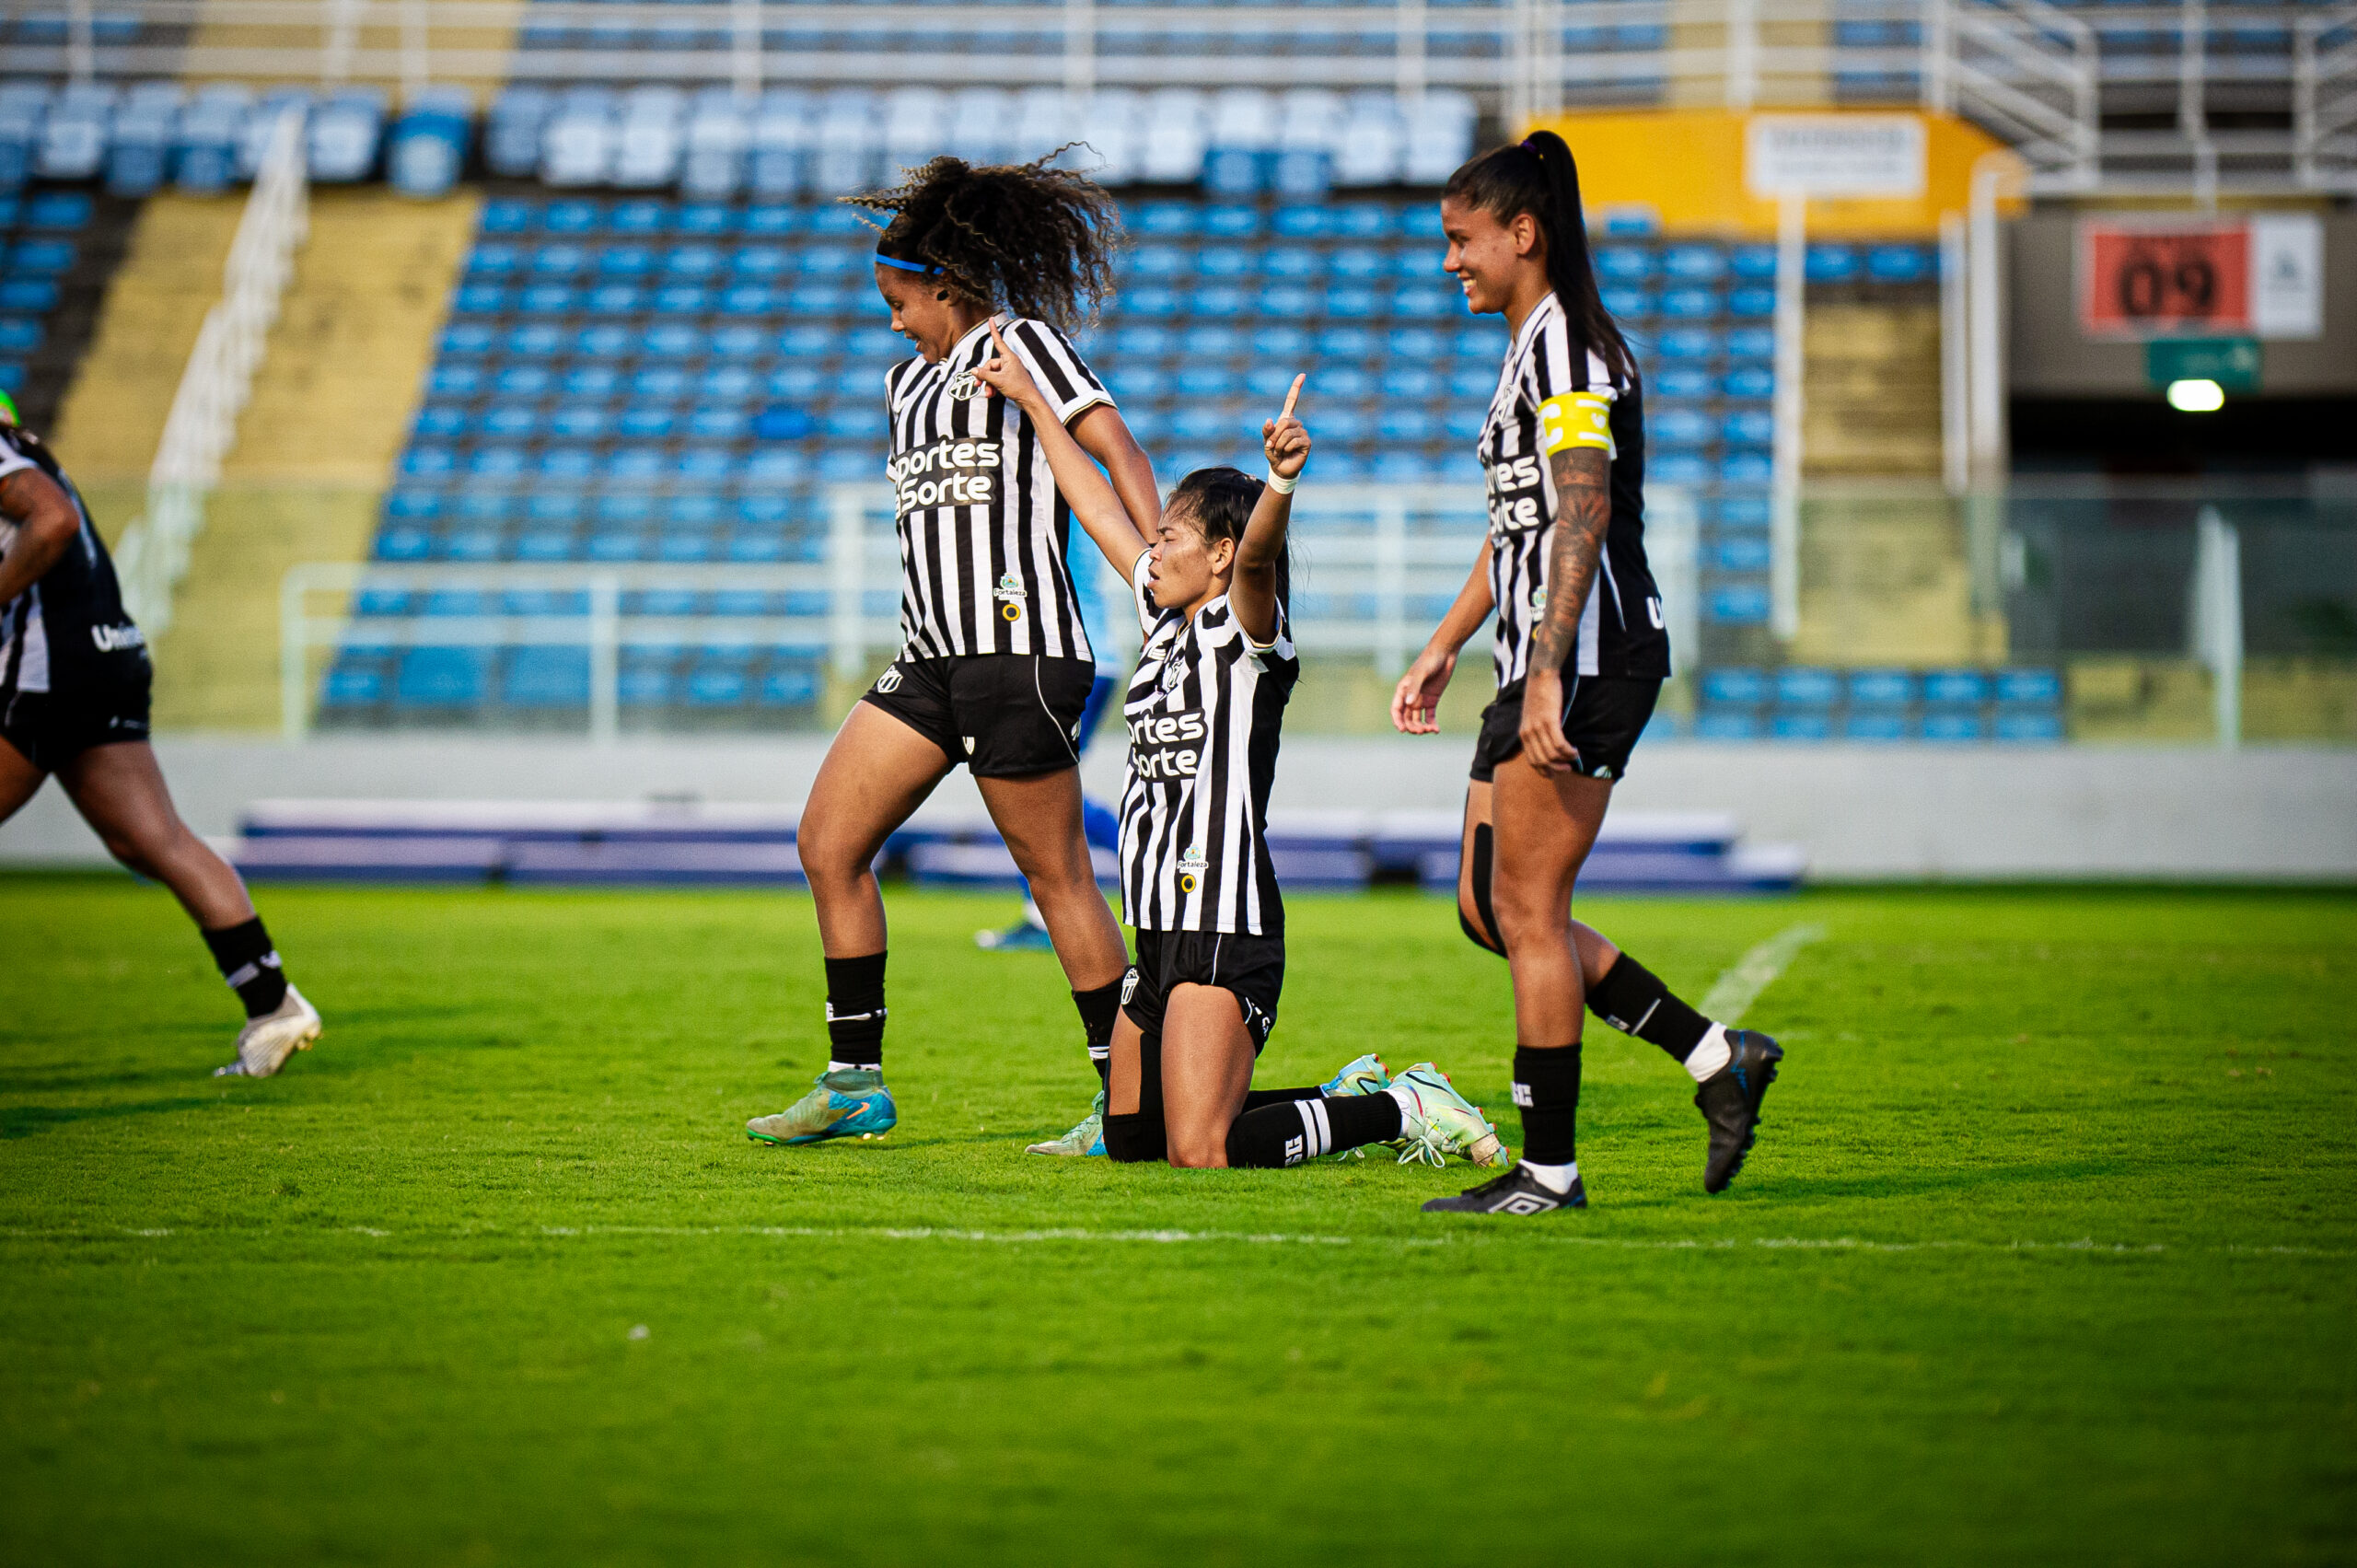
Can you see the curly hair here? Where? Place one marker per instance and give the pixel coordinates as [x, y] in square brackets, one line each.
[1035, 240]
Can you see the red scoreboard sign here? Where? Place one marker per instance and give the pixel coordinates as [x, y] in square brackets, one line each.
[2171, 279]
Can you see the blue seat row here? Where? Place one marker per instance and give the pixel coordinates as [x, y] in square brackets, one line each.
[555, 545]
[1419, 301]
[1348, 264]
[695, 506]
[376, 602]
[723, 382]
[1689, 304]
[1958, 726]
[778, 463]
[1816, 688]
[558, 676]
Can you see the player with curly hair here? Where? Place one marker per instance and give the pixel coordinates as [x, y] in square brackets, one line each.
[996, 667]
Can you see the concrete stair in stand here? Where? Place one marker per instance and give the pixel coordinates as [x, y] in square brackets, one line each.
[688, 843]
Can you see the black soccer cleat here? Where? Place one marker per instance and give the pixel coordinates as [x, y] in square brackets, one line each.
[1515, 1192]
[1729, 1100]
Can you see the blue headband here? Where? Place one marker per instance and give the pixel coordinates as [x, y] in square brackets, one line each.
[904, 267]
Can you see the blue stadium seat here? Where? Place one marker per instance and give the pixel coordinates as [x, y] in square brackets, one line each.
[1881, 688]
[1694, 263]
[1736, 605]
[1802, 687]
[1751, 301]
[441, 677]
[1748, 426]
[1750, 342]
[1833, 263]
[1746, 467]
[1688, 343]
[1790, 724]
[1900, 263]
[2029, 687]
[1630, 303]
[1735, 686]
[454, 381]
[2030, 727]
[1753, 263]
[1739, 553]
[1725, 723]
[1955, 686]
[1624, 263]
[1743, 512]
[1953, 726]
[1876, 727]
[545, 677]
[789, 688]
[1749, 381]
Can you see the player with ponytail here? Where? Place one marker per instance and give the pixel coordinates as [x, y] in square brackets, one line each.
[996, 668]
[1581, 654]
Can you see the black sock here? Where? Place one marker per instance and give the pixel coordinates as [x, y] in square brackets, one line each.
[1134, 1137]
[250, 964]
[1255, 1099]
[1294, 1131]
[855, 1012]
[1631, 1000]
[1098, 1008]
[1547, 1088]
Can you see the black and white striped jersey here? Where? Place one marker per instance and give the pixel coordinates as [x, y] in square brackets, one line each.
[70, 622]
[981, 526]
[1204, 710]
[1552, 395]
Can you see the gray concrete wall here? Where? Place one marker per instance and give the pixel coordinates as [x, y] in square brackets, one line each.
[2274, 815]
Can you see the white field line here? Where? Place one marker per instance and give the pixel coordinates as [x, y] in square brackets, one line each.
[1256, 1238]
[1734, 993]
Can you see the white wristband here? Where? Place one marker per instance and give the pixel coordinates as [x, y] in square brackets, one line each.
[1281, 486]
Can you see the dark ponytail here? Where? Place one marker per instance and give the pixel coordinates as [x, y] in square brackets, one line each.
[1219, 502]
[1537, 176]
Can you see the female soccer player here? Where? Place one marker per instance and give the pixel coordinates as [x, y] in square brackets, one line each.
[73, 686]
[996, 667]
[1203, 711]
[1581, 655]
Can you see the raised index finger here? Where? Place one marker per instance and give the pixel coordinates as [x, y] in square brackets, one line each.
[1293, 396]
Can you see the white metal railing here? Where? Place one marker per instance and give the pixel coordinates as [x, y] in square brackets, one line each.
[2021, 62]
[1374, 565]
[2324, 102]
[202, 423]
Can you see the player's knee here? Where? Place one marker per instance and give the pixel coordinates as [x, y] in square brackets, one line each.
[1199, 1153]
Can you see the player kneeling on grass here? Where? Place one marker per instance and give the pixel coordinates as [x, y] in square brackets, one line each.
[74, 690]
[1203, 711]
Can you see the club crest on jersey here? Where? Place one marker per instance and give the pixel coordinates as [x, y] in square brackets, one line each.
[1173, 676]
[1010, 595]
[964, 385]
[1538, 602]
[1192, 865]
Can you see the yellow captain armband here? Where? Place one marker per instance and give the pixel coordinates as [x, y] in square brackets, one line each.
[1576, 419]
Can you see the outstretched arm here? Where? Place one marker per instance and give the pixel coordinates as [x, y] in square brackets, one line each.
[1582, 512]
[1416, 703]
[1252, 591]
[1083, 487]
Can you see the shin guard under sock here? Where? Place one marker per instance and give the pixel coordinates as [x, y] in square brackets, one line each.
[1547, 1088]
[250, 964]
[1633, 1000]
[855, 1012]
[1098, 1009]
[1294, 1131]
[1133, 1138]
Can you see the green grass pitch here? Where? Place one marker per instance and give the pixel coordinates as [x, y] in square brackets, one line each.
[2048, 1252]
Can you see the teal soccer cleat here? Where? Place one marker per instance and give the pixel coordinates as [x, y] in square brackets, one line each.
[1364, 1076]
[852, 1103]
[1086, 1138]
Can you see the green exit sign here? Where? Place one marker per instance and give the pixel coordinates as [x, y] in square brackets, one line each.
[2233, 362]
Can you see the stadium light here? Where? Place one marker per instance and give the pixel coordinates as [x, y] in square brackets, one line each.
[2197, 397]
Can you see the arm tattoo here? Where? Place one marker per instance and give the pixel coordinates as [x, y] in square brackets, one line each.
[1584, 510]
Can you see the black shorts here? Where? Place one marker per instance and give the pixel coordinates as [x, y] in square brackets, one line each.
[1253, 968]
[52, 728]
[1603, 715]
[1004, 715]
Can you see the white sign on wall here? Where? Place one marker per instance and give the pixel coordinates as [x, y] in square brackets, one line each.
[1834, 155]
[2287, 275]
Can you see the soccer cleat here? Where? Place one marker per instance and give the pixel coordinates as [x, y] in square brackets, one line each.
[1364, 1076]
[850, 1103]
[1729, 1100]
[1021, 937]
[1515, 1192]
[1439, 1122]
[1086, 1138]
[265, 1043]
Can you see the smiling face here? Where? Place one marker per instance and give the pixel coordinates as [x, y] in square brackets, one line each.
[923, 311]
[1496, 263]
[1186, 570]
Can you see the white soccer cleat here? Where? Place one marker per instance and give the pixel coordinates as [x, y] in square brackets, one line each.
[1436, 1121]
[265, 1043]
